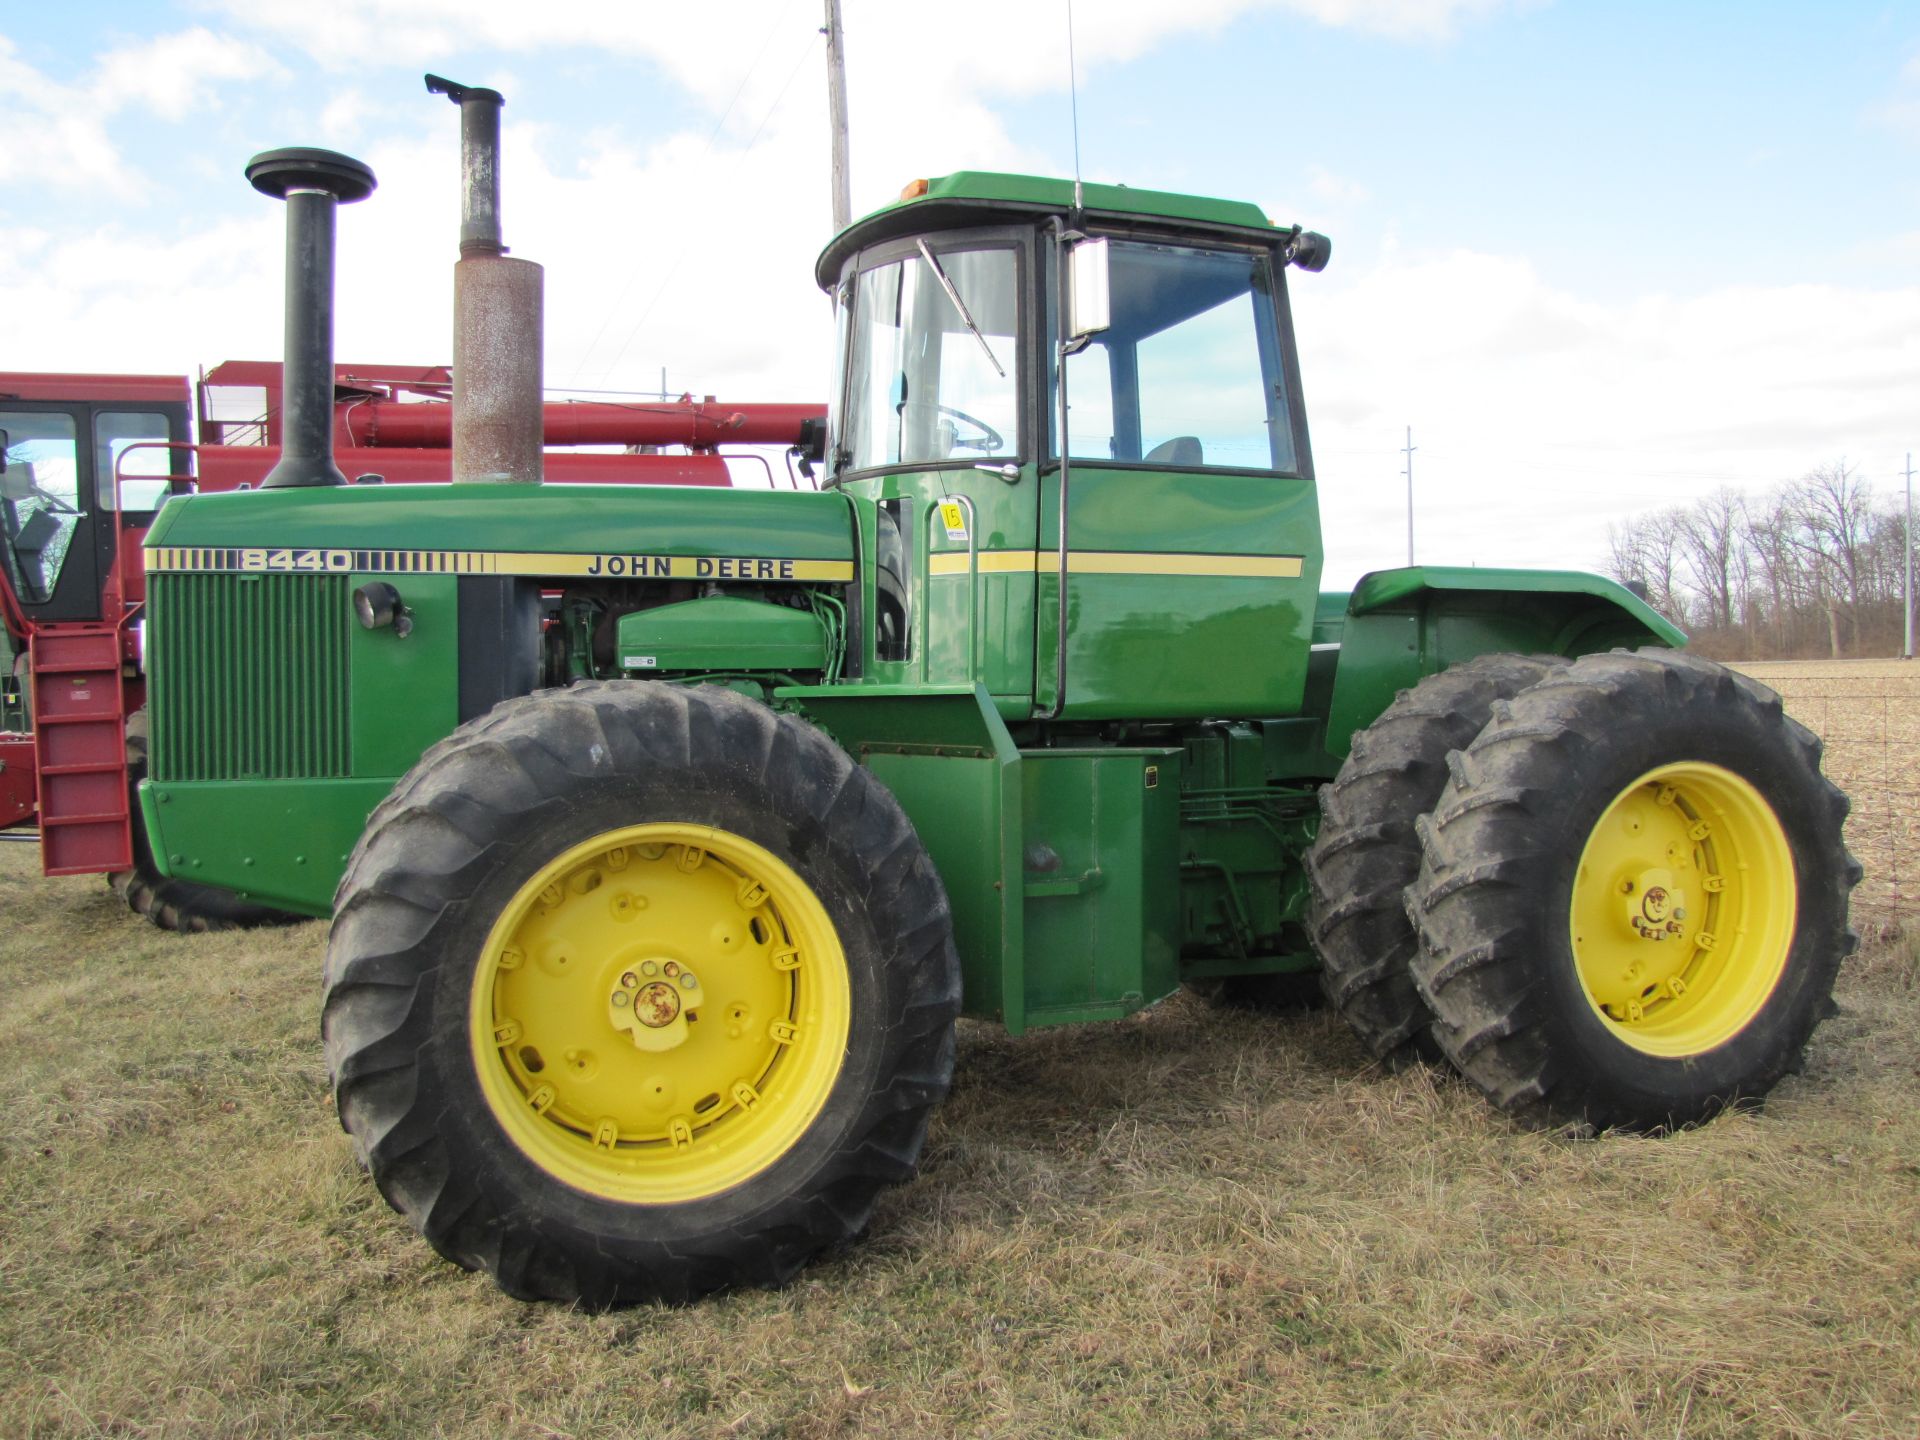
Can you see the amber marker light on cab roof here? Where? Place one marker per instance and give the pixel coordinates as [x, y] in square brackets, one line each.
[913, 190]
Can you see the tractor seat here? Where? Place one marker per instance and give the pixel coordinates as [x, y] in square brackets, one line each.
[1180, 450]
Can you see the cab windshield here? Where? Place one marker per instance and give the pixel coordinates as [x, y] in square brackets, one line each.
[1189, 374]
[932, 365]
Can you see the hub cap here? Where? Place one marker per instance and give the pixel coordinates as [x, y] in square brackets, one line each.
[660, 1013]
[1683, 909]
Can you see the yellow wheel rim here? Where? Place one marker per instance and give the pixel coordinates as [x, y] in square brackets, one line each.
[660, 1013]
[1683, 909]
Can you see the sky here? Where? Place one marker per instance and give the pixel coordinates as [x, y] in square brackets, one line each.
[1599, 257]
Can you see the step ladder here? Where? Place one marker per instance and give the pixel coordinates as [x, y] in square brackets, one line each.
[80, 750]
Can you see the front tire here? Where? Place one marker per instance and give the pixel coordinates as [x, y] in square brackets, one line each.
[168, 902]
[1633, 898]
[637, 992]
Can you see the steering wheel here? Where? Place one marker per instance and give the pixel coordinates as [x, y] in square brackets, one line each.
[987, 442]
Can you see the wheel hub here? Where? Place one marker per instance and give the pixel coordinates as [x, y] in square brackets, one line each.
[647, 1004]
[1682, 908]
[1656, 905]
[659, 1012]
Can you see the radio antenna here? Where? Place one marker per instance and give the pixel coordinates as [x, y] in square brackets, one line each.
[1073, 100]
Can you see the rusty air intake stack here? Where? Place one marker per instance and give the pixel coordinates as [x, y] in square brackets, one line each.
[497, 321]
[314, 183]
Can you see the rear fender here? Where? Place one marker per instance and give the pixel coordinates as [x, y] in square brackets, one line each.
[1401, 625]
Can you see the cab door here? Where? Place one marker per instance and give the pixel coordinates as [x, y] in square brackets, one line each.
[1193, 557]
[64, 461]
[936, 425]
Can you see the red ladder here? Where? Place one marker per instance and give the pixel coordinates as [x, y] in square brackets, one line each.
[80, 750]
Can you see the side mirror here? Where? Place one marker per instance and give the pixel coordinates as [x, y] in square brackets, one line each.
[812, 449]
[1089, 296]
[5, 442]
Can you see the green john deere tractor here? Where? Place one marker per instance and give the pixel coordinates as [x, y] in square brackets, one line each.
[666, 833]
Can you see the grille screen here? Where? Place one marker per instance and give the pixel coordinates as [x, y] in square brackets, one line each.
[247, 676]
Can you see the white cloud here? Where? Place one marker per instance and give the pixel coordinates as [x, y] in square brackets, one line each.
[172, 75]
[58, 133]
[1541, 414]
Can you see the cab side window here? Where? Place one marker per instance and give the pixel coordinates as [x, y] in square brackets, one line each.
[1189, 375]
[131, 444]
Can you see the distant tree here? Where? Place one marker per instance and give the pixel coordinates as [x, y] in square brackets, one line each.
[1812, 566]
[1709, 536]
[1647, 550]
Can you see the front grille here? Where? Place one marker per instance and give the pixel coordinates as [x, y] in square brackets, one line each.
[247, 676]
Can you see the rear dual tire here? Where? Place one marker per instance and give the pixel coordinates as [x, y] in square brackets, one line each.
[1632, 901]
[1366, 852]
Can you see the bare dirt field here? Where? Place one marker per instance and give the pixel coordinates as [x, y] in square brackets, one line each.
[1193, 1223]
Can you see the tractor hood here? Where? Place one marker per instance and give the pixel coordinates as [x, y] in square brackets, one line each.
[555, 531]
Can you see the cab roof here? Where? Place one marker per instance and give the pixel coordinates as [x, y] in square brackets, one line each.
[980, 197]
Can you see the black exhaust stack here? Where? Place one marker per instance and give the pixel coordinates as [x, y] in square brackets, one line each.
[313, 183]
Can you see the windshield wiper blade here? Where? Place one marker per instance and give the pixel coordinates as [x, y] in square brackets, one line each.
[961, 306]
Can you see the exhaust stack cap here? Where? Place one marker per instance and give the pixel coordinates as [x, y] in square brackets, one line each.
[314, 183]
[277, 172]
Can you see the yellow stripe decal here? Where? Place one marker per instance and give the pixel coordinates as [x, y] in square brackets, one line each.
[616, 565]
[1121, 562]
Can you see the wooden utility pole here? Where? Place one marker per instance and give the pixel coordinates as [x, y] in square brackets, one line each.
[837, 114]
[1906, 595]
[1408, 450]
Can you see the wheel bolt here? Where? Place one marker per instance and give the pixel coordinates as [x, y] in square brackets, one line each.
[619, 997]
[629, 980]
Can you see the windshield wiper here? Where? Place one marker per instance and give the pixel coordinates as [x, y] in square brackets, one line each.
[960, 305]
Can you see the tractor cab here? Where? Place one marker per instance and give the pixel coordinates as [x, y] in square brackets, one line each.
[85, 456]
[1079, 417]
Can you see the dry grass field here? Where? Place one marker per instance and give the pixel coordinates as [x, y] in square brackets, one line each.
[1193, 1223]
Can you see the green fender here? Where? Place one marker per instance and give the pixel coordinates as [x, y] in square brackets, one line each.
[1401, 625]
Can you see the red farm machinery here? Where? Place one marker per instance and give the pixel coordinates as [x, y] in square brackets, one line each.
[87, 460]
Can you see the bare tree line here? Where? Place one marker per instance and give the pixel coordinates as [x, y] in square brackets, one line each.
[1815, 567]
